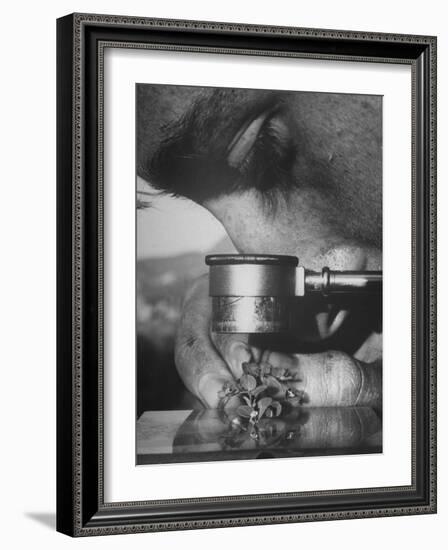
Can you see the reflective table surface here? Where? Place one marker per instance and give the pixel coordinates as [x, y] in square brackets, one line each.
[206, 435]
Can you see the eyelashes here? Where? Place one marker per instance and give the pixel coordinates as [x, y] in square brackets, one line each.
[268, 165]
[189, 162]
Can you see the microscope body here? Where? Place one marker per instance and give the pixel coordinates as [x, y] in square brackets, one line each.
[254, 293]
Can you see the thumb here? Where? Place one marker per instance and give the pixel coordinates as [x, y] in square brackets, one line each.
[234, 349]
[200, 366]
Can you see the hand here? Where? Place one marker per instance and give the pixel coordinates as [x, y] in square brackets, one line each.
[206, 361]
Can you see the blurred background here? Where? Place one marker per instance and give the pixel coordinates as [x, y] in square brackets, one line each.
[173, 236]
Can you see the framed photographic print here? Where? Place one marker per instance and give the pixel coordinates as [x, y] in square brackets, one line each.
[246, 274]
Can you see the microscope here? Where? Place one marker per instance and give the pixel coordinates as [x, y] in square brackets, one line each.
[253, 293]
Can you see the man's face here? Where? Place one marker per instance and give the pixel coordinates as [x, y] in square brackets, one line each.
[285, 172]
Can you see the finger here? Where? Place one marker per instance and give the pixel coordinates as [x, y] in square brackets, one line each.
[331, 378]
[210, 388]
[279, 360]
[199, 365]
[335, 379]
[256, 354]
[234, 349]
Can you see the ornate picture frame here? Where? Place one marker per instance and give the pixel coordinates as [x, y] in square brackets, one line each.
[81, 506]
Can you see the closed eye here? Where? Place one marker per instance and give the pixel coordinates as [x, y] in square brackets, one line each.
[245, 139]
[264, 152]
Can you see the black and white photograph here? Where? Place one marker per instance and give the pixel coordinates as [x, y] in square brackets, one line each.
[221, 253]
[258, 273]
[246, 275]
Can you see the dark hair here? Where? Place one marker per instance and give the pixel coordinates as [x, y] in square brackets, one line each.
[190, 163]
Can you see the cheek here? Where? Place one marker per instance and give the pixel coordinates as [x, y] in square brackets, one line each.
[296, 227]
[254, 228]
[285, 226]
[254, 233]
[250, 235]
